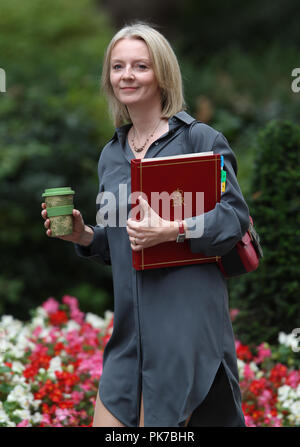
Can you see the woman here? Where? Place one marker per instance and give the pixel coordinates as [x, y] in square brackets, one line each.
[171, 358]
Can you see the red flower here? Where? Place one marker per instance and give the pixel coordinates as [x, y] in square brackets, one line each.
[58, 347]
[257, 386]
[278, 374]
[45, 408]
[243, 352]
[59, 317]
[30, 372]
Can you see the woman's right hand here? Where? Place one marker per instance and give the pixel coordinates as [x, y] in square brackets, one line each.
[82, 234]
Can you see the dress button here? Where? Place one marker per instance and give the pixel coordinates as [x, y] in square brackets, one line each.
[156, 143]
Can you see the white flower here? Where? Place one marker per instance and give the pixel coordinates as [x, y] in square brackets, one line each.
[16, 351]
[96, 321]
[241, 366]
[282, 338]
[108, 315]
[45, 333]
[6, 320]
[55, 365]
[72, 326]
[21, 395]
[295, 409]
[70, 368]
[283, 392]
[36, 417]
[289, 340]
[36, 403]
[10, 326]
[17, 367]
[4, 418]
[17, 379]
[253, 366]
[291, 419]
[23, 341]
[23, 414]
[39, 319]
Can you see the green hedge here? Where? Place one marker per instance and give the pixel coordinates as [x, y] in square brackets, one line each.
[268, 299]
[53, 124]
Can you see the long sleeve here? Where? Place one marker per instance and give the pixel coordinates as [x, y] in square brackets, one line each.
[226, 224]
[98, 250]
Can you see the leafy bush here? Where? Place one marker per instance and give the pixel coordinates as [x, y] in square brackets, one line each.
[53, 124]
[268, 298]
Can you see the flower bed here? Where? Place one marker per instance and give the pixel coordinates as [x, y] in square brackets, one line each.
[51, 366]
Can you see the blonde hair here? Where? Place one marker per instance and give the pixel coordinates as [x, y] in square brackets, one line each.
[165, 66]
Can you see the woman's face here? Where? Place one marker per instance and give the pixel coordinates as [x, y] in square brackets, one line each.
[131, 73]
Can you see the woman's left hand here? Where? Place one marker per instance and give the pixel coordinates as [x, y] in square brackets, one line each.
[151, 230]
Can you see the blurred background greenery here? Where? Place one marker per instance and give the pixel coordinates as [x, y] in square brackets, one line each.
[236, 60]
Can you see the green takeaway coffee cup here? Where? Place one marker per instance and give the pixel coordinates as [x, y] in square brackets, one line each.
[59, 202]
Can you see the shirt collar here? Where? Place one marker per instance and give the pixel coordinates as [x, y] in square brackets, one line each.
[175, 121]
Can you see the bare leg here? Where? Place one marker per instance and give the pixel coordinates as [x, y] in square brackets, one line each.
[142, 412]
[102, 417]
[188, 420]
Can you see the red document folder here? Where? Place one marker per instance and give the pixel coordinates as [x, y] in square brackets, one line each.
[176, 175]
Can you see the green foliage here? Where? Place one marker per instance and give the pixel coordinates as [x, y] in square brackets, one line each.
[205, 28]
[268, 299]
[238, 92]
[53, 123]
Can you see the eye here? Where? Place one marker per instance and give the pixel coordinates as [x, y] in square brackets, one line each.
[142, 67]
[116, 67]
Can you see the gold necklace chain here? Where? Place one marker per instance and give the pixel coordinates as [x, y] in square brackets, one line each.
[140, 149]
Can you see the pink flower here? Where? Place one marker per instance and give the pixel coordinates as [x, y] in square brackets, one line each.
[77, 396]
[248, 373]
[77, 316]
[71, 301]
[36, 332]
[91, 364]
[46, 419]
[75, 313]
[263, 352]
[86, 386]
[275, 422]
[233, 314]
[62, 414]
[23, 423]
[265, 398]
[293, 379]
[249, 421]
[50, 305]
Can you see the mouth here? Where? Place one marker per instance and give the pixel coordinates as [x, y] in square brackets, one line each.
[128, 89]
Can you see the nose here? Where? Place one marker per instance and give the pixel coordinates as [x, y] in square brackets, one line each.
[128, 73]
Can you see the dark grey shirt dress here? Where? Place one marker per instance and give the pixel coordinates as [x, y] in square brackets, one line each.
[172, 337]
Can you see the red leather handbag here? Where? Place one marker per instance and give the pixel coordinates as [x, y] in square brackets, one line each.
[244, 257]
